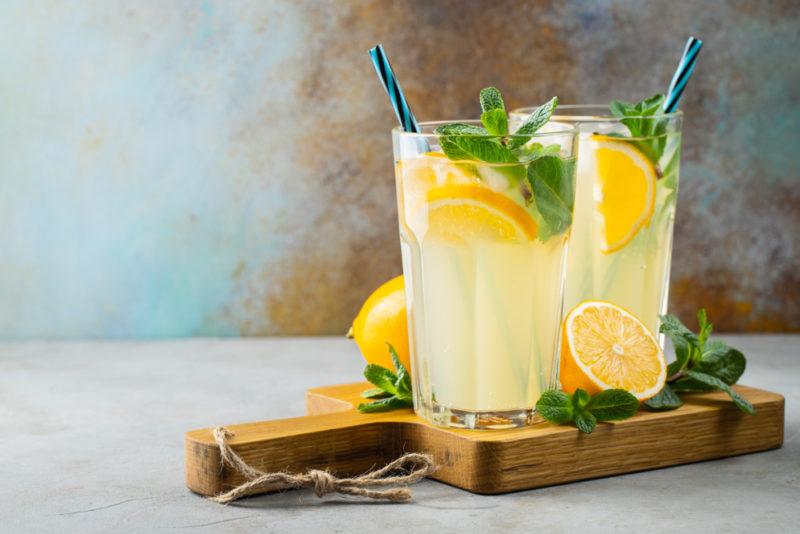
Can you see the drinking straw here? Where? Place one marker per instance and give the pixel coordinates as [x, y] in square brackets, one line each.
[392, 87]
[682, 75]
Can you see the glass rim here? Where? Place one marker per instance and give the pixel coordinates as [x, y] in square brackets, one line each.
[604, 116]
[567, 129]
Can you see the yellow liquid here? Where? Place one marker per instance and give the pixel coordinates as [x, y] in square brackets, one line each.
[483, 313]
[635, 277]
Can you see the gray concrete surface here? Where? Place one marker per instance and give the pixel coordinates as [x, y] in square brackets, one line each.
[91, 441]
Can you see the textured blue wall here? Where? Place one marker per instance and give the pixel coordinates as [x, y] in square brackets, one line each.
[224, 168]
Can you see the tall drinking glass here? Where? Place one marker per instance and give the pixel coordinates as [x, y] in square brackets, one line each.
[484, 273]
[621, 243]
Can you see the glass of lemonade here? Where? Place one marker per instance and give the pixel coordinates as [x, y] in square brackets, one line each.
[484, 272]
[621, 242]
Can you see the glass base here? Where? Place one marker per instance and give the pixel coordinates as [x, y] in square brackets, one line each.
[440, 415]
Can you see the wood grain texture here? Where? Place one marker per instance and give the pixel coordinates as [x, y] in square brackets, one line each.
[336, 437]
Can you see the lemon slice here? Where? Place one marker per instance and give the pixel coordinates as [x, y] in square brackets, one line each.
[465, 213]
[606, 347]
[625, 191]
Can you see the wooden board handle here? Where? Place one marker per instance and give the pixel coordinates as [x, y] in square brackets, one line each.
[346, 443]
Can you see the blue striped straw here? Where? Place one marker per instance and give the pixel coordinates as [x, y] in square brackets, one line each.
[682, 75]
[392, 87]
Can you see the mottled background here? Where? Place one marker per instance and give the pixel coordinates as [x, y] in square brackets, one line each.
[224, 168]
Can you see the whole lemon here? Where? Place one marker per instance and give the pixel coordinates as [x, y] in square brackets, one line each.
[382, 320]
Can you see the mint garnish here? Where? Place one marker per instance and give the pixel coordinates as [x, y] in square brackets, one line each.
[467, 142]
[535, 120]
[545, 179]
[494, 116]
[700, 365]
[642, 124]
[393, 389]
[585, 411]
[552, 184]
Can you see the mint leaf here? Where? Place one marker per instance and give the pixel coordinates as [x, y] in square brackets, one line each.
[394, 390]
[555, 406]
[579, 400]
[381, 377]
[682, 353]
[398, 365]
[613, 405]
[492, 100]
[374, 393]
[666, 399]
[673, 327]
[495, 121]
[532, 151]
[535, 120]
[552, 183]
[459, 128]
[684, 340]
[585, 422]
[384, 405]
[690, 385]
[715, 382]
[464, 141]
[649, 132]
[722, 362]
[403, 382]
[705, 329]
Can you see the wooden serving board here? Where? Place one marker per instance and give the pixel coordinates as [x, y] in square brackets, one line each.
[335, 436]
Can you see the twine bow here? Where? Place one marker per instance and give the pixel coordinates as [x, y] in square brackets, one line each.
[415, 466]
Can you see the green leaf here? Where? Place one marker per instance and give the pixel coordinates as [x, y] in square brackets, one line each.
[684, 340]
[381, 377]
[535, 120]
[705, 329]
[464, 141]
[459, 128]
[673, 327]
[579, 400]
[613, 405]
[690, 385]
[649, 132]
[682, 353]
[585, 422]
[398, 365]
[555, 406]
[666, 399]
[384, 405]
[740, 401]
[496, 121]
[552, 182]
[723, 362]
[403, 381]
[374, 393]
[532, 151]
[491, 99]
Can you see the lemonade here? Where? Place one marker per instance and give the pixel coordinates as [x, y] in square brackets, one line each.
[484, 272]
[621, 241]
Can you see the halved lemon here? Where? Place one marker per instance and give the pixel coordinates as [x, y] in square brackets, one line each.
[626, 190]
[465, 213]
[606, 347]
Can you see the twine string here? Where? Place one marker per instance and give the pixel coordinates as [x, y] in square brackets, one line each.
[404, 471]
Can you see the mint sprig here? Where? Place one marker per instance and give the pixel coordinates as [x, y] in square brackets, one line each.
[393, 389]
[552, 185]
[585, 411]
[701, 364]
[533, 123]
[545, 179]
[494, 116]
[641, 123]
